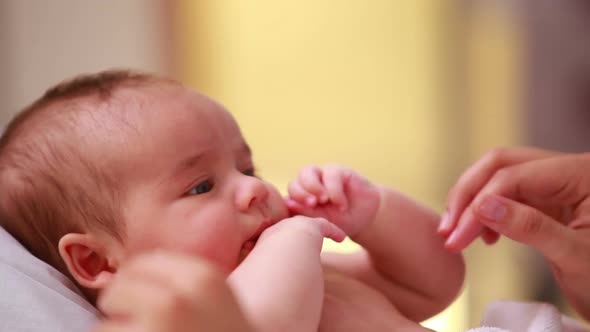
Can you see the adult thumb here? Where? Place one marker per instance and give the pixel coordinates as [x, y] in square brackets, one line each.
[526, 225]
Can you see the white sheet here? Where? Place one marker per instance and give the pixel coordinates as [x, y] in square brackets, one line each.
[510, 316]
[36, 297]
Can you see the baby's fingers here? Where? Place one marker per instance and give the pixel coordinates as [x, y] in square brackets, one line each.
[330, 230]
[310, 179]
[299, 195]
[334, 178]
[297, 208]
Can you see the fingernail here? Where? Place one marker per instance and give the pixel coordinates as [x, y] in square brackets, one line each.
[492, 208]
[310, 201]
[324, 199]
[443, 225]
[450, 242]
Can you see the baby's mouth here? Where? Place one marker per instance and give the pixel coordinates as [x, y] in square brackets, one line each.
[247, 248]
[249, 245]
[251, 242]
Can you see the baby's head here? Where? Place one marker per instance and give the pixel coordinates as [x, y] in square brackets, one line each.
[107, 166]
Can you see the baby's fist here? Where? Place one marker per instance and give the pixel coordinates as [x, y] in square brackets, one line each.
[336, 193]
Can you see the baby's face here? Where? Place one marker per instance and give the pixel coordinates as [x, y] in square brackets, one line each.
[193, 187]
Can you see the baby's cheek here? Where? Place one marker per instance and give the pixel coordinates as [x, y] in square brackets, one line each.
[223, 255]
[215, 240]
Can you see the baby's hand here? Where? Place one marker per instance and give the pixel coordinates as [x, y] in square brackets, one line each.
[315, 228]
[336, 193]
[165, 292]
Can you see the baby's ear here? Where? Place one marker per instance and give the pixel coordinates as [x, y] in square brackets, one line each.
[88, 260]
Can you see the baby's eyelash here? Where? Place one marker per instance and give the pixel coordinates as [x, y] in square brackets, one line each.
[249, 172]
[202, 187]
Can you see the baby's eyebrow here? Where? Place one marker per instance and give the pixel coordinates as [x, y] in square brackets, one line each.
[187, 163]
[180, 168]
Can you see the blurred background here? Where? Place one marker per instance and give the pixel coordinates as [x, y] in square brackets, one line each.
[408, 92]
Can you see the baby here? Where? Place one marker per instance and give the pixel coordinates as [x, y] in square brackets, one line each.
[110, 166]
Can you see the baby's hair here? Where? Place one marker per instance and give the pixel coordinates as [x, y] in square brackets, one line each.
[50, 182]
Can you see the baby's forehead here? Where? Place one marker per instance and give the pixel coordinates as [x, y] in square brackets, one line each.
[165, 100]
[180, 106]
[159, 111]
[167, 120]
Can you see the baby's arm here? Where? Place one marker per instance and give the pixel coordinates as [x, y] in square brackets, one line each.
[403, 257]
[280, 284]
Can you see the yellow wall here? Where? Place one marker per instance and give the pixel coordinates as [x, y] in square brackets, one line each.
[319, 81]
[364, 83]
[493, 94]
[495, 67]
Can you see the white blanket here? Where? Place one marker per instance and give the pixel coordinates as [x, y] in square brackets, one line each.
[35, 297]
[509, 316]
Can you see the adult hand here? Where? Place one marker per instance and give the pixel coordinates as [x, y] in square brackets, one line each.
[539, 198]
[165, 292]
[458, 222]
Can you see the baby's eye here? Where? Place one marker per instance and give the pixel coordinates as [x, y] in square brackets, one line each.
[201, 188]
[249, 172]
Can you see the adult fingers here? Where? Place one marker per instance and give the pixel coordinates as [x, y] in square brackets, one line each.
[489, 236]
[468, 229]
[558, 181]
[476, 177]
[552, 182]
[528, 225]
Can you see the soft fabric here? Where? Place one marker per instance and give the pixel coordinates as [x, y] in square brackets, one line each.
[36, 297]
[509, 316]
[487, 329]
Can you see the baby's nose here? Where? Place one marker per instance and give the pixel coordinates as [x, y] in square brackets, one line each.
[251, 192]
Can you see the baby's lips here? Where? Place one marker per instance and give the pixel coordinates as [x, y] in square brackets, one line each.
[249, 245]
[263, 226]
[246, 249]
